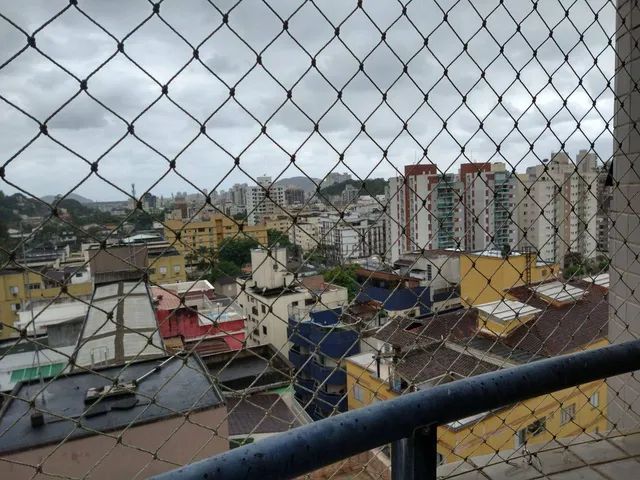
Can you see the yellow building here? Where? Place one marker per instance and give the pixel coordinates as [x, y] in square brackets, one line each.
[484, 276]
[163, 262]
[414, 360]
[208, 234]
[166, 265]
[18, 286]
[281, 223]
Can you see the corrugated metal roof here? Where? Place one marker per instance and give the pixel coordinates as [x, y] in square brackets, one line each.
[117, 327]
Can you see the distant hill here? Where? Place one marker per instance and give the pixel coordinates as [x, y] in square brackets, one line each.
[299, 182]
[71, 196]
[372, 186]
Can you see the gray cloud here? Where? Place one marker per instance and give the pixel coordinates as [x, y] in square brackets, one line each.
[39, 87]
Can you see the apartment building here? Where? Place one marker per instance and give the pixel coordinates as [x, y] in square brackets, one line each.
[419, 353]
[264, 199]
[272, 290]
[437, 269]
[604, 194]
[487, 275]
[353, 236]
[559, 207]
[294, 195]
[425, 210]
[490, 200]
[19, 287]
[306, 233]
[208, 232]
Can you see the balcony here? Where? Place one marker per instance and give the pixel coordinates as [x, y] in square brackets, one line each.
[297, 359]
[335, 343]
[409, 422]
[328, 375]
[300, 334]
[330, 402]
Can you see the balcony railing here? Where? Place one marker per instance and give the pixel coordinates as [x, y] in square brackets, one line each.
[408, 422]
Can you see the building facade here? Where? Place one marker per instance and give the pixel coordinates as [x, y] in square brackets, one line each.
[560, 205]
[485, 276]
[19, 287]
[199, 319]
[353, 236]
[267, 296]
[426, 210]
[264, 199]
[490, 200]
[320, 338]
[209, 233]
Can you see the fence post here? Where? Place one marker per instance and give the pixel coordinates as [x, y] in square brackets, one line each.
[415, 457]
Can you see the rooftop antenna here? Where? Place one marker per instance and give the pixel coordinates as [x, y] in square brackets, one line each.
[36, 358]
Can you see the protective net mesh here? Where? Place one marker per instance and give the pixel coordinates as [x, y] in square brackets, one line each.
[221, 220]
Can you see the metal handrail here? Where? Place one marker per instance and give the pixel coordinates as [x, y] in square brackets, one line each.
[402, 420]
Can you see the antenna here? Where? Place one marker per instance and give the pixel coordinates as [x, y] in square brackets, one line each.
[25, 282]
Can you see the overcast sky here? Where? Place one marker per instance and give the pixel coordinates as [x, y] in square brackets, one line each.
[37, 86]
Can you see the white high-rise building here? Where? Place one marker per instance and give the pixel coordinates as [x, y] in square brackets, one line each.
[425, 210]
[474, 209]
[264, 199]
[558, 210]
[353, 236]
[490, 200]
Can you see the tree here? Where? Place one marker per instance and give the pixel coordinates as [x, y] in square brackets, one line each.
[277, 238]
[141, 221]
[574, 259]
[223, 268]
[345, 276]
[237, 250]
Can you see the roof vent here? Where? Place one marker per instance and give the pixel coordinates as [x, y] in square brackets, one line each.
[37, 419]
[110, 391]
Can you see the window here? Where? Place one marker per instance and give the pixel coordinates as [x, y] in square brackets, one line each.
[531, 430]
[567, 414]
[429, 272]
[176, 268]
[33, 286]
[15, 307]
[14, 290]
[264, 309]
[163, 270]
[358, 393]
[594, 399]
[537, 427]
[264, 329]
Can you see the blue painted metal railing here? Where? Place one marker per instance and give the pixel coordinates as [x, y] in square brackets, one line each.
[409, 421]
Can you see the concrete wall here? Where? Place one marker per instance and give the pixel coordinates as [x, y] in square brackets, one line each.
[102, 457]
[624, 234]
